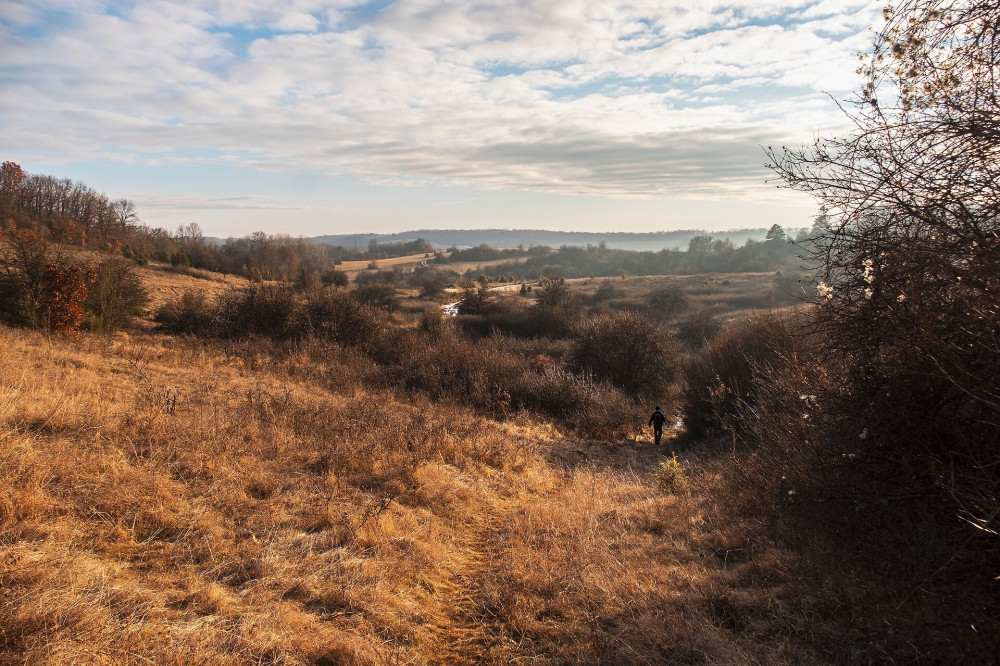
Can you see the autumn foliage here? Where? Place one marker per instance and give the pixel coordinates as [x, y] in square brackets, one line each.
[39, 287]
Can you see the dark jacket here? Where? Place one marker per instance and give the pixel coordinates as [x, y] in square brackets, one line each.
[657, 419]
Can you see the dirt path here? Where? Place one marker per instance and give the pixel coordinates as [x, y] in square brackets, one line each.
[463, 634]
[469, 629]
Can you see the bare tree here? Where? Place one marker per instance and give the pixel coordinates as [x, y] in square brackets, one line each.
[126, 214]
[189, 233]
[909, 290]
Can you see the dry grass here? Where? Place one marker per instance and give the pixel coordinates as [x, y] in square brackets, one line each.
[166, 283]
[279, 513]
[258, 520]
[172, 501]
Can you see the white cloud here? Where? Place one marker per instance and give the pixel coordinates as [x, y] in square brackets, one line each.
[578, 96]
[297, 21]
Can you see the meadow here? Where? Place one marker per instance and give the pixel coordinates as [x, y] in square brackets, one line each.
[174, 500]
[304, 496]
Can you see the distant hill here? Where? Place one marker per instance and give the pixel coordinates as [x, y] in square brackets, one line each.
[444, 238]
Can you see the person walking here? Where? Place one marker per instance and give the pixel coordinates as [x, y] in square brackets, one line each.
[656, 420]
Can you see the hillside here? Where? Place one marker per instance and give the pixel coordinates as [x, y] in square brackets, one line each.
[175, 502]
[218, 497]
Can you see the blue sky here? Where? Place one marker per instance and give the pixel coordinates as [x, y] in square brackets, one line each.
[311, 117]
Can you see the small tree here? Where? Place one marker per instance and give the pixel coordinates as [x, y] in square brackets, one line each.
[117, 295]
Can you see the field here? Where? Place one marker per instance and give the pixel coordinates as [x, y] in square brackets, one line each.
[267, 517]
[176, 499]
[171, 500]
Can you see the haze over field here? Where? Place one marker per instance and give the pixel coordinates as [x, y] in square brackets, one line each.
[313, 117]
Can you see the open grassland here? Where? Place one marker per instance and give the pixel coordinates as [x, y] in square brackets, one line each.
[167, 501]
[165, 283]
[235, 497]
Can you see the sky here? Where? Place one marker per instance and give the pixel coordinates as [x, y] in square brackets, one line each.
[312, 117]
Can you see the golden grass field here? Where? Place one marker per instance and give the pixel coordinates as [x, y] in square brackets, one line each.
[173, 501]
[412, 261]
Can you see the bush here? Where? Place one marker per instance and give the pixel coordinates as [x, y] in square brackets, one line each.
[340, 317]
[117, 295]
[909, 286]
[380, 295]
[666, 301]
[454, 367]
[697, 329]
[334, 278]
[382, 277]
[629, 351]
[727, 373]
[606, 292]
[64, 287]
[557, 309]
[670, 477]
[191, 313]
[586, 406]
[38, 287]
[23, 257]
[430, 281]
[476, 300]
[259, 308]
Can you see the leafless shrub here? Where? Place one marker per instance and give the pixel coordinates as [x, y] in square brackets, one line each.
[338, 316]
[191, 313]
[378, 294]
[557, 307]
[666, 302]
[909, 246]
[258, 308]
[698, 329]
[117, 295]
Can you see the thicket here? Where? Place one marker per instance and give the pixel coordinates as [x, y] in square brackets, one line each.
[117, 295]
[629, 351]
[440, 359]
[909, 289]
[725, 378]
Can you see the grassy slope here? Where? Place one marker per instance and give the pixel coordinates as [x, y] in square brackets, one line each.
[280, 512]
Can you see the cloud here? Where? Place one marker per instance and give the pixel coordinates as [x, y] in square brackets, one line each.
[186, 202]
[645, 99]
